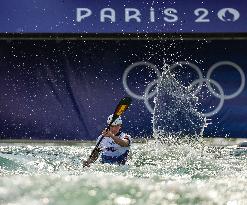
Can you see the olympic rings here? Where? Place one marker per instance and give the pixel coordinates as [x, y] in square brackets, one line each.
[125, 76]
[148, 95]
[218, 108]
[234, 65]
[195, 67]
[146, 98]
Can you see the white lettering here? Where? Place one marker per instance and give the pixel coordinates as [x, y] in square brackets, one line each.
[135, 16]
[170, 12]
[152, 15]
[202, 14]
[82, 13]
[111, 14]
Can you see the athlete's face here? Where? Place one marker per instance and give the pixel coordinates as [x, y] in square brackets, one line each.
[115, 129]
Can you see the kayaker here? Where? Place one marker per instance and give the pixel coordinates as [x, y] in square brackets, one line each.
[114, 147]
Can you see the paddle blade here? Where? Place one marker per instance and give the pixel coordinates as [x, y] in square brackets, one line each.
[121, 108]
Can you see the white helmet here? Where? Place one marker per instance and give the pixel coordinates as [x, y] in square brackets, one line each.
[118, 121]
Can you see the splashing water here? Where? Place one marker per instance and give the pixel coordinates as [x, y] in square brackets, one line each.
[175, 112]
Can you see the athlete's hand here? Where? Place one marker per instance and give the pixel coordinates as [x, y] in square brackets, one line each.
[107, 133]
[86, 163]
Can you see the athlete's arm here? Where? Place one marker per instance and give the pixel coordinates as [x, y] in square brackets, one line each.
[122, 142]
[94, 154]
[92, 158]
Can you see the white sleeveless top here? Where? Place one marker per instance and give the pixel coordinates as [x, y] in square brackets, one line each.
[110, 148]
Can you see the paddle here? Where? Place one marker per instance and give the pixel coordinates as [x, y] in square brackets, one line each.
[120, 109]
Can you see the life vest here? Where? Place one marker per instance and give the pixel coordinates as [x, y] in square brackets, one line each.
[113, 153]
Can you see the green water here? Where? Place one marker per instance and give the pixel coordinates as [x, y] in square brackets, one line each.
[155, 174]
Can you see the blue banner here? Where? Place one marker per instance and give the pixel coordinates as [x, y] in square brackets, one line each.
[67, 89]
[106, 16]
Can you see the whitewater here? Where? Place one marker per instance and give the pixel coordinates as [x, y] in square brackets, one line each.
[155, 174]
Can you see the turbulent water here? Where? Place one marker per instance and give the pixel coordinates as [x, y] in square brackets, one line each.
[156, 174]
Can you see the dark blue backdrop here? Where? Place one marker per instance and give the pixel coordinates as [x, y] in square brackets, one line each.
[66, 89]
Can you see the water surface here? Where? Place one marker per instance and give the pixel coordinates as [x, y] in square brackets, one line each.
[155, 174]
